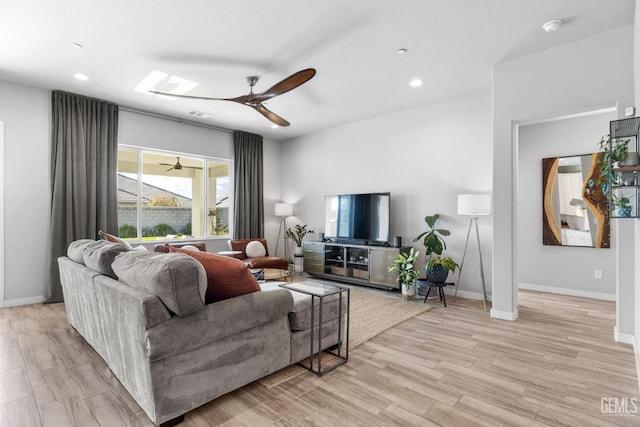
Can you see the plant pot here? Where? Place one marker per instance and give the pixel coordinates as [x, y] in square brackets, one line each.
[408, 292]
[624, 211]
[437, 274]
[298, 251]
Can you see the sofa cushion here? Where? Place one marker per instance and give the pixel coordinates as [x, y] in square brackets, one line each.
[114, 239]
[99, 256]
[178, 280]
[255, 249]
[74, 251]
[226, 277]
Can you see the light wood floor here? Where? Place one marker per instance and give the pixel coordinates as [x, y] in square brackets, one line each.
[449, 367]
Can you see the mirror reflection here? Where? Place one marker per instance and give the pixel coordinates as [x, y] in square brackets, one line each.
[575, 212]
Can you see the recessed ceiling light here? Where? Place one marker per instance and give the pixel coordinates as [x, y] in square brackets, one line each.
[274, 126]
[551, 26]
[81, 76]
[77, 45]
[415, 83]
[401, 51]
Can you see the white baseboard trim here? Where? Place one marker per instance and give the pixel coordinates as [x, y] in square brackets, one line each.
[624, 338]
[24, 301]
[466, 294]
[504, 315]
[565, 291]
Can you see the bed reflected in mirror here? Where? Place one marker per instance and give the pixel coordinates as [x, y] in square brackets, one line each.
[575, 211]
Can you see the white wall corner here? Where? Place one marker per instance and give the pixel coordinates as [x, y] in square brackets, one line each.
[623, 338]
[2, 168]
[504, 315]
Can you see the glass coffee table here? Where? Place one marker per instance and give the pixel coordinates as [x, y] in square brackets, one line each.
[320, 291]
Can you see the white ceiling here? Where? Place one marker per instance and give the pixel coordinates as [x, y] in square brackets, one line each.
[452, 45]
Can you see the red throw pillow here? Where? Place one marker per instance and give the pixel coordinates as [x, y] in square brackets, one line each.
[226, 277]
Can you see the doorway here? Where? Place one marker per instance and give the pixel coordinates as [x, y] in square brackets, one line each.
[569, 270]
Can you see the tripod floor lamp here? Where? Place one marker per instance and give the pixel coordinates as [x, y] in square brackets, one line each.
[283, 210]
[474, 205]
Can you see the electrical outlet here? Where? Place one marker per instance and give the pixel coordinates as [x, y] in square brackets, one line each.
[598, 274]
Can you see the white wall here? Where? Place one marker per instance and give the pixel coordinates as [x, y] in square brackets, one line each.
[424, 156]
[26, 115]
[636, 305]
[567, 270]
[585, 75]
[2, 270]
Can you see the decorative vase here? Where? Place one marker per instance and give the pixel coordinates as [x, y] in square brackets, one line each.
[624, 211]
[436, 274]
[408, 292]
[298, 251]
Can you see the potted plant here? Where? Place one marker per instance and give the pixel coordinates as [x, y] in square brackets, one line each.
[297, 234]
[404, 265]
[622, 205]
[436, 266]
[615, 154]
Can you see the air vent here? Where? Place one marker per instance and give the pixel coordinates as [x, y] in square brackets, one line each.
[199, 114]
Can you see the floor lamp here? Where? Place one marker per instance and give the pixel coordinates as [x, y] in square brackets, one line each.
[474, 205]
[283, 210]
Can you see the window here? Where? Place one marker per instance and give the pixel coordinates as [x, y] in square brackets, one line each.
[167, 195]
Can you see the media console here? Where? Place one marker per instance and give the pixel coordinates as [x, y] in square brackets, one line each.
[358, 264]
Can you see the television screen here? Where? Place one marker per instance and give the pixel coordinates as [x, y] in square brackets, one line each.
[351, 217]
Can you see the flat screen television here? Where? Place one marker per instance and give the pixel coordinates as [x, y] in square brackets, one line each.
[358, 218]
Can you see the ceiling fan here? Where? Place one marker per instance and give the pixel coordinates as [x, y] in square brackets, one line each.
[177, 166]
[255, 101]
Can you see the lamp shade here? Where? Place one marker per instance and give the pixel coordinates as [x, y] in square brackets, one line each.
[474, 204]
[284, 209]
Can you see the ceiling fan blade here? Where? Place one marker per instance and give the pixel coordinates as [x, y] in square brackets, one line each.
[284, 86]
[271, 115]
[189, 96]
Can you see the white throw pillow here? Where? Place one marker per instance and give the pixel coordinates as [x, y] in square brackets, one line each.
[190, 248]
[255, 249]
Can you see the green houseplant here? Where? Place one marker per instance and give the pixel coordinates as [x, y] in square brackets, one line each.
[297, 234]
[622, 205]
[615, 151]
[404, 265]
[437, 267]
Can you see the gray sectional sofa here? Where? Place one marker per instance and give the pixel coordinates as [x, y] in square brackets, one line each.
[144, 313]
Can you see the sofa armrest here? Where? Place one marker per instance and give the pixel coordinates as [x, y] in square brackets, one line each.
[216, 321]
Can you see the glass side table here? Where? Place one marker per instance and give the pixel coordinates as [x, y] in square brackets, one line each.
[320, 291]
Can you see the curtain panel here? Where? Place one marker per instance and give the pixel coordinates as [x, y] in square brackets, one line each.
[248, 220]
[84, 156]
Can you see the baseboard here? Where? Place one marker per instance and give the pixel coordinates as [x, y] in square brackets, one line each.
[504, 315]
[624, 338]
[24, 301]
[565, 291]
[466, 294]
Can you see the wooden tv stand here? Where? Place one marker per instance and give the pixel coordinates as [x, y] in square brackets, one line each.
[357, 264]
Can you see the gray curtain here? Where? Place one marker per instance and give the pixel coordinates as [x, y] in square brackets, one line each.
[248, 221]
[84, 156]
